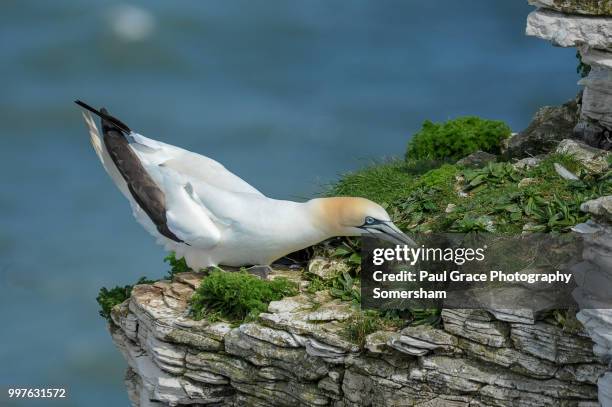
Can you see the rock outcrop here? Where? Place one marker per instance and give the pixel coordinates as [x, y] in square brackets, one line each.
[596, 313]
[549, 126]
[298, 354]
[587, 26]
[580, 7]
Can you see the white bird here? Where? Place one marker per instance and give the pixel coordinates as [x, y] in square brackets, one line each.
[197, 208]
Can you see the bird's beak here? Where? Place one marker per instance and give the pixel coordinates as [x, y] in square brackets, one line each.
[391, 233]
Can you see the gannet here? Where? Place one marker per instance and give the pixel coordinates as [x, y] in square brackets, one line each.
[197, 208]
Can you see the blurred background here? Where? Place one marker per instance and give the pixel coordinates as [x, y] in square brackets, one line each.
[287, 95]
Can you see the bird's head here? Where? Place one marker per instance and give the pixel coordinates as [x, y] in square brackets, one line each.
[346, 216]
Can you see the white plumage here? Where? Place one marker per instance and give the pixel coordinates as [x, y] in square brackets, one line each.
[221, 219]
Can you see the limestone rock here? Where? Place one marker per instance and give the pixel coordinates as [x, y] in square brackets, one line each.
[326, 268]
[605, 389]
[477, 159]
[298, 354]
[512, 359]
[592, 159]
[549, 126]
[470, 376]
[376, 342]
[594, 134]
[550, 343]
[567, 30]
[597, 266]
[476, 325]
[509, 303]
[596, 57]
[565, 173]
[597, 94]
[527, 162]
[290, 360]
[583, 373]
[589, 7]
[421, 339]
[600, 207]
[597, 323]
[587, 26]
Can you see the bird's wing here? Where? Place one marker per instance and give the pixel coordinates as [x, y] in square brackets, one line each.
[186, 215]
[197, 167]
[162, 199]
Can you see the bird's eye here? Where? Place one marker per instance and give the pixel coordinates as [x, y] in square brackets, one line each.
[369, 220]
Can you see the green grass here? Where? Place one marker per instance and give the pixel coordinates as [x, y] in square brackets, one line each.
[237, 297]
[384, 183]
[107, 299]
[551, 204]
[494, 202]
[317, 284]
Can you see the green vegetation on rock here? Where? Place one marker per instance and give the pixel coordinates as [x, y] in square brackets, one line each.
[237, 296]
[497, 197]
[361, 325]
[107, 299]
[456, 138]
[176, 265]
[346, 288]
[383, 182]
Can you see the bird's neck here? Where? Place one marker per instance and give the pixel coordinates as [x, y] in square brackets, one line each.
[328, 215]
[309, 222]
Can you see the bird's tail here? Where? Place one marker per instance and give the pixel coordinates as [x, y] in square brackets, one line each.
[99, 147]
[94, 136]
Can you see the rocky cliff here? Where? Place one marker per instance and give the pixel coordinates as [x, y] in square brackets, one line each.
[597, 265]
[298, 354]
[587, 26]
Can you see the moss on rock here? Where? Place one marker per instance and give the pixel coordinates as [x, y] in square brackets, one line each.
[237, 296]
[457, 138]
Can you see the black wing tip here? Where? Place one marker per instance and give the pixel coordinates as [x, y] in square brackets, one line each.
[86, 106]
[104, 115]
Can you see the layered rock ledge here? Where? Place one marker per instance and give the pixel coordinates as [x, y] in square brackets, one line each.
[298, 354]
[587, 26]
